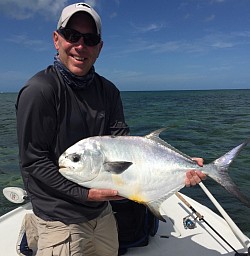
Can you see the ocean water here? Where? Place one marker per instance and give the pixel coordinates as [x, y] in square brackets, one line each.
[199, 123]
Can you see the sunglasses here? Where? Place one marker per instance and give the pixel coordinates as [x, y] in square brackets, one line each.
[73, 36]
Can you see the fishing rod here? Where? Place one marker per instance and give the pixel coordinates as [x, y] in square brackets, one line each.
[202, 218]
[238, 233]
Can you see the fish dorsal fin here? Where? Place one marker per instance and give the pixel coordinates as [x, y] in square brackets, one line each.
[154, 136]
[117, 167]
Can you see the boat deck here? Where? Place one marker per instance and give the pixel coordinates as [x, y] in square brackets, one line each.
[171, 239]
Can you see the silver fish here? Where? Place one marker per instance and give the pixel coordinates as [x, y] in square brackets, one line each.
[144, 169]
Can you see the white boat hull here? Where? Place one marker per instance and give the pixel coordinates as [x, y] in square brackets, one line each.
[171, 239]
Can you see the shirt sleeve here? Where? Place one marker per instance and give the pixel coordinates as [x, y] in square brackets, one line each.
[36, 131]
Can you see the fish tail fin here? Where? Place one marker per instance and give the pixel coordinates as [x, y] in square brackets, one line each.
[220, 172]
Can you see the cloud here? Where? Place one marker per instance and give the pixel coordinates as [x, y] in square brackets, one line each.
[113, 15]
[92, 3]
[26, 9]
[210, 18]
[12, 75]
[218, 1]
[213, 41]
[148, 28]
[222, 45]
[187, 16]
[37, 45]
[132, 80]
[11, 80]
[242, 34]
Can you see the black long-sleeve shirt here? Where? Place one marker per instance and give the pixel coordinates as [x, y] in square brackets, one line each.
[52, 116]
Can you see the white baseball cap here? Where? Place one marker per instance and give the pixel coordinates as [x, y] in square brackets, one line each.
[70, 10]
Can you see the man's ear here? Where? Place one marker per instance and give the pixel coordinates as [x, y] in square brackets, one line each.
[55, 40]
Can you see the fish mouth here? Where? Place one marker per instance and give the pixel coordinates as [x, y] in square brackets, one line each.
[63, 168]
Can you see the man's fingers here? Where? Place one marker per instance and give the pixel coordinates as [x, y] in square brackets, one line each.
[194, 177]
[102, 194]
[200, 161]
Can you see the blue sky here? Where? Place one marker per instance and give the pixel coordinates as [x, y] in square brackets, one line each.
[148, 45]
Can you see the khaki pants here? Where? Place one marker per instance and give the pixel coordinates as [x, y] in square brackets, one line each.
[97, 237]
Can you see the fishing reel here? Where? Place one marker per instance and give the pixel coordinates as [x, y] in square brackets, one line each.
[15, 195]
[189, 222]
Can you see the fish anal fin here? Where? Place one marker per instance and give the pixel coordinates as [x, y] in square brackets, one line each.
[117, 167]
[154, 207]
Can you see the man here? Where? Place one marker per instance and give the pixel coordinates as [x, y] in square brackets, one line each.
[64, 103]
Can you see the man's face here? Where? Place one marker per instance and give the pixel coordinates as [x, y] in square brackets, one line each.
[78, 57]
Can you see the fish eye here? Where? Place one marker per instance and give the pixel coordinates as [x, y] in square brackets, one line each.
[75, 158]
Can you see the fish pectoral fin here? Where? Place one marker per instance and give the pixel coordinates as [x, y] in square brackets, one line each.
[117, 167]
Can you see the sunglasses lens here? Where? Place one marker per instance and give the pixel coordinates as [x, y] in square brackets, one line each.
[74, 36]
[70, 35]
[91, 39]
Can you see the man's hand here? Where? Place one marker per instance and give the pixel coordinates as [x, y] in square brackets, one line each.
[103, 195]
[194, 177]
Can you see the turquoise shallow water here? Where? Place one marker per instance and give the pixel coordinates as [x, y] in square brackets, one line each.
[199, 123]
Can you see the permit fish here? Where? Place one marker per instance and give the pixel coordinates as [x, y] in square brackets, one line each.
[146, 169]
